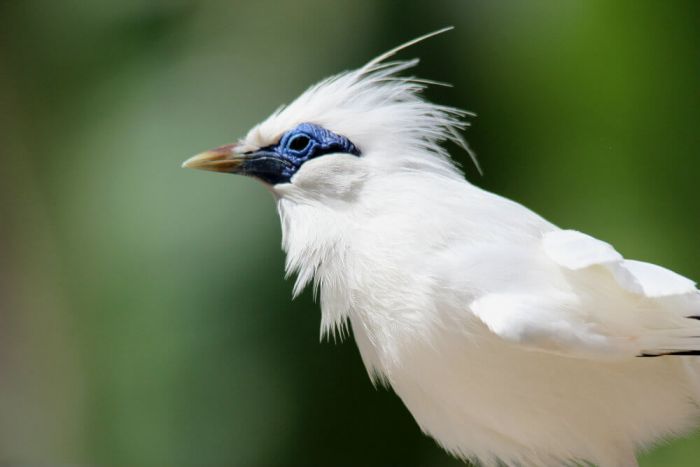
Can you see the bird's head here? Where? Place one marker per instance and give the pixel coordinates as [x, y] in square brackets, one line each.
[343, 131]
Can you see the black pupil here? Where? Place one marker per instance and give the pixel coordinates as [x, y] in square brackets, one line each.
[299, 143]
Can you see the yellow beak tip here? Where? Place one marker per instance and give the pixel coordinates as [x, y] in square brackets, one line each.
[187, 164]
[206, 160]
[221, 159]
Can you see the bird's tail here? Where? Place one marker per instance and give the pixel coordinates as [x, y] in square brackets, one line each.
[677, 331]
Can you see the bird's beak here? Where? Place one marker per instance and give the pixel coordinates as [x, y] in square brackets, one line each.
[222, 159]
[264, 164]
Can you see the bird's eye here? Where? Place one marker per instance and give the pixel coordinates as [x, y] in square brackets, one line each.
[299, 143]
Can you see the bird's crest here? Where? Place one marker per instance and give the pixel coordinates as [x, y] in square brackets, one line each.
[377, 108]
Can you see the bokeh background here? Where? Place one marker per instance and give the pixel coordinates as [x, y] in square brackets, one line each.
[144, 317]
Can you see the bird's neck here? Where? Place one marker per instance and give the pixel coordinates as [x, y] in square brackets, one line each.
[364, 256]
[317, 242]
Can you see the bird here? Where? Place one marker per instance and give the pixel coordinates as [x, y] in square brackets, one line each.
[510, 340]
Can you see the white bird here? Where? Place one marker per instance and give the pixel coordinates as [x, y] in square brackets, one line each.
[508, 339]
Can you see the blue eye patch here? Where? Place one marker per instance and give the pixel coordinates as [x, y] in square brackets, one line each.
[279, 162]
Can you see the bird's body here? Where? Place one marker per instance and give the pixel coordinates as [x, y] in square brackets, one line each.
[476, 392]
[506, 337]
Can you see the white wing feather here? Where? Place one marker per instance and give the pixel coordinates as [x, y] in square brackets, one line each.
[541, 324]
[609, 307]
[651, 280]
[575, 250]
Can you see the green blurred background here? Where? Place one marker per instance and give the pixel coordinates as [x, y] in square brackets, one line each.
[144, 318]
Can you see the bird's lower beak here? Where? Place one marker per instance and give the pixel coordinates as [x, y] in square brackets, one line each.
[222, 159]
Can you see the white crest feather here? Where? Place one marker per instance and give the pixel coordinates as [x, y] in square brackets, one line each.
[375, 100]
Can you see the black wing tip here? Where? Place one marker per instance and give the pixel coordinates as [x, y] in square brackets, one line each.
[678, 354]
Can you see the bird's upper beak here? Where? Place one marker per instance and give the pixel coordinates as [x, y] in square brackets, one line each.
[227, 158]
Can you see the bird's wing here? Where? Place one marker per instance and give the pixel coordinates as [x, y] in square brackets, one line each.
[543, 323]
[606, 307]
[575, 251]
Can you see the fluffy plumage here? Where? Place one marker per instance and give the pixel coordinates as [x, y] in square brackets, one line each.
[507, 338]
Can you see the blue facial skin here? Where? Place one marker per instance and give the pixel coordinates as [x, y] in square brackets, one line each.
[278, 163]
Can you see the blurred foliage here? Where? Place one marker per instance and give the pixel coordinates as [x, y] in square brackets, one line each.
[144, 318]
